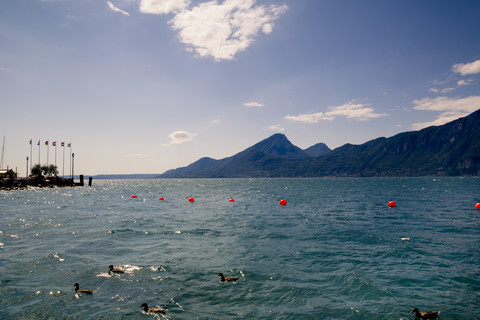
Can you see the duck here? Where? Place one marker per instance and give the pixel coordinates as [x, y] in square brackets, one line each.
[226, 278]
[78, 290]
[425, 314]
[156, 310]
[113, 269]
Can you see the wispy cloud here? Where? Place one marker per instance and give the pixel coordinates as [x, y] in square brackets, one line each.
[449, 108]
[467, 68]
[217, 30]
[253, 104]
[114, 8]
[276, 128]
[350, 110]
[179, 137]
[465, 82]
[443, 91]
[163, 6]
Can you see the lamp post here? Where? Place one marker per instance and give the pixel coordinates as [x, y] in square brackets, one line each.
[73, 162]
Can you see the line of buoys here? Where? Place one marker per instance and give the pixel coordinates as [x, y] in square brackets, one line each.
[283, 202]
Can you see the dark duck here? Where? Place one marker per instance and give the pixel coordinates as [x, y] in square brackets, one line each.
[113, 269]
[425, 314]
[223, 278]
[155, 310]
[78, 290]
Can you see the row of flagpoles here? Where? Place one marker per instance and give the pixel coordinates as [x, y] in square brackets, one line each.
[54, 144]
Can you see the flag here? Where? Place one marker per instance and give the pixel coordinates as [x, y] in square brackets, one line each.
[46, 143]
[30, 141]
[38, 143]
[54, 143]
[69, 145]
[63, 143]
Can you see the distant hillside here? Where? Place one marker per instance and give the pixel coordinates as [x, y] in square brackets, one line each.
[450, 149]
[248, 163]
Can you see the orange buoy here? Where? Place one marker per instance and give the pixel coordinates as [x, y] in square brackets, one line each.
[477, 206]
[134, 196]
[191, 199]
[392, 204]
[161, 198]
[283, 202]
[231, 200]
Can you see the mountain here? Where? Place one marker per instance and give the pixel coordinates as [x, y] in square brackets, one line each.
[318, 150]
[450, 149]
[248, 163]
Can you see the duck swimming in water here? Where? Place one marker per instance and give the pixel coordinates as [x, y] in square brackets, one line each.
[156, 310]
[113, 269]
[78, 290]
[223, 278]
[425, 314]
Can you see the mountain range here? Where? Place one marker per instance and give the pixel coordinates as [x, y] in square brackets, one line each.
[451, 149]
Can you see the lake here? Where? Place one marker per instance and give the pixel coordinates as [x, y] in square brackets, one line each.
[335, 251]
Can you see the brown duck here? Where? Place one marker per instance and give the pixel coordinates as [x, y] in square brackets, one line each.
[113, 269]
[223, 278]
[78, 290]
[425, 314]
[155, 310]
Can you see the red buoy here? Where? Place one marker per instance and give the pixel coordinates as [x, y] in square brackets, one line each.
[134, 196]
[283, 202]
[231, 200]
[191, 199]
[477, 206]
[161, 198]
[392, 204]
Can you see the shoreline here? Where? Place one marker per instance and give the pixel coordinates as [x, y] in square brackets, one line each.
[37, 182]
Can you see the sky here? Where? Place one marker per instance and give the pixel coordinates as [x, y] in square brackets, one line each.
[144, 86]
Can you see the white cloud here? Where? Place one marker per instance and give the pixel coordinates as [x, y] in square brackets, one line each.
[216, 121]
[276, 128]
[351, 110]
[465, 82]
[163, 6]
[253, 104]
[449, 108]
[444, 90]
[179, 137]
[113, 8]
[221, 30]
[467, 68]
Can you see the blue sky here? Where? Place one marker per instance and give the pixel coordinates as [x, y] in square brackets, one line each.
[143, 86]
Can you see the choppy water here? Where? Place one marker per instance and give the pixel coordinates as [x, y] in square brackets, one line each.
[333, 252]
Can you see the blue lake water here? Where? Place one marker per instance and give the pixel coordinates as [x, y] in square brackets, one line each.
[335, 251]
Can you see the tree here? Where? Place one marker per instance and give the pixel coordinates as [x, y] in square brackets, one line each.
[52, 170]
[44, 169]
[37, 170]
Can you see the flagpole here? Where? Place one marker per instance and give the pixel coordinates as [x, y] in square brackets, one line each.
[48, 150]
[31, 158]
[70, 146]
[39, 152]
[63, 171]
[55, 145]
